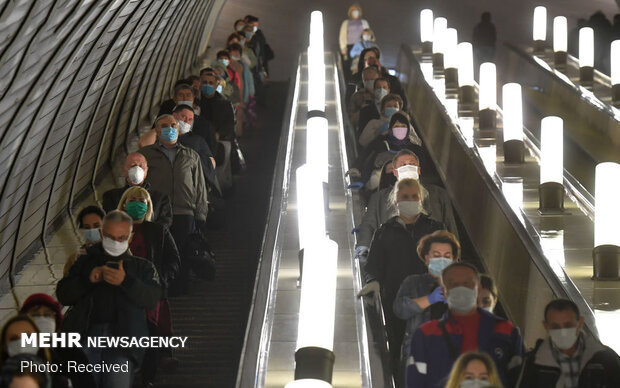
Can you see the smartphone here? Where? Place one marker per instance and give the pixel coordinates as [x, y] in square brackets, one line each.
[112, 264]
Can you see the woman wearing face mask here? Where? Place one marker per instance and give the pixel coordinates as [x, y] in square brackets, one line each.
[487, 298]
[400, 135]
[419, 297]
[474, 370]
[46, 313]
[367, 40]
[153, 242]
[378, 127]
[89, 222]
[10, 347]
[392, 257]
[351, 31]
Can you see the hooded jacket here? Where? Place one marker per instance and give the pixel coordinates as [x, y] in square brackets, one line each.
[600, 366]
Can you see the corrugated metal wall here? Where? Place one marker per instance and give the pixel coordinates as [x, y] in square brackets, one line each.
[76, 78]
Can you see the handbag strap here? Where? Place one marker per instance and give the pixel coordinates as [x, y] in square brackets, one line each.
[451, 347]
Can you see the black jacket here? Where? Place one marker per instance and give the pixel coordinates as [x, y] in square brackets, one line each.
[367, 113]
[393, 253]
[219, 111]
[161, 251]
[139, 292]
[600, 366]
[162, 209]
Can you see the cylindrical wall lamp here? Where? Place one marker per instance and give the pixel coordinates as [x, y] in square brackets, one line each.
[606, 253]
[467, 93]
[316, 65]
[586, 56]
[512, 107]
[540, 29]
[615, 73]
[310, 205]
[426, 32]
[440, 25]
[551, 189]
[314, 357]
[308, 383]
[487, 100]
[560, 42]
[450, 59]
[317, 146]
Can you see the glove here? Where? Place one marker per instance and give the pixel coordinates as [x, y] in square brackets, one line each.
[370, 289]
[436, 296]
[361, 253]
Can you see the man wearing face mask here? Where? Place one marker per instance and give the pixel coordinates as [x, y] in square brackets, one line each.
[372, 111]
[437, 344]
[216, 108]
[569, 357]
[136, 170]
[110, 292]
[185, 115]
[177, 171]
[380, 208]
[364, 96]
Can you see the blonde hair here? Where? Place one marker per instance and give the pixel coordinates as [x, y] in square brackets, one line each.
[458, 369]
[137, 192]
[408, 182]
[352, 7]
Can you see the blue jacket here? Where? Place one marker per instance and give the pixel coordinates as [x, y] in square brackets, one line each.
[431, 360]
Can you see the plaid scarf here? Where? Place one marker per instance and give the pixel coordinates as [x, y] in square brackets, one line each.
[570, 366]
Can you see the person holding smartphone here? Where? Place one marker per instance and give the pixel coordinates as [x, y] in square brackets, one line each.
[110, 291]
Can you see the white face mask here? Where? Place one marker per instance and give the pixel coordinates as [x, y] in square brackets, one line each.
[379, 94]
[184, 127]
[236, 59]
[14, 348]
[366, 37]
[355, 13]
[409, 209]
[462, 299]
[254, 28]
[408, 172]
[369, 85]
[564, 339]
[135, 175]
[45, 324]
[113, 247]
[186, 102]
[474, 383]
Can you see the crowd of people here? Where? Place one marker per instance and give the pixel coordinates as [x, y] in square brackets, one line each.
[147, 238]
[438, 308]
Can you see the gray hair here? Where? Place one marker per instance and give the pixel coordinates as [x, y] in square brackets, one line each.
[166, 115]
[118, 216]
[407, 182]
[402, 152]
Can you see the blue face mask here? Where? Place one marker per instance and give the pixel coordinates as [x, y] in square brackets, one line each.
[436, 265]
[389, 111]
[224, 61]
[219, 89]
[91, 235]
[169, 134]
[248, 34]
[208, 89]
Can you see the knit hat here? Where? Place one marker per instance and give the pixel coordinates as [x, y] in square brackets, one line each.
[43, 300]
